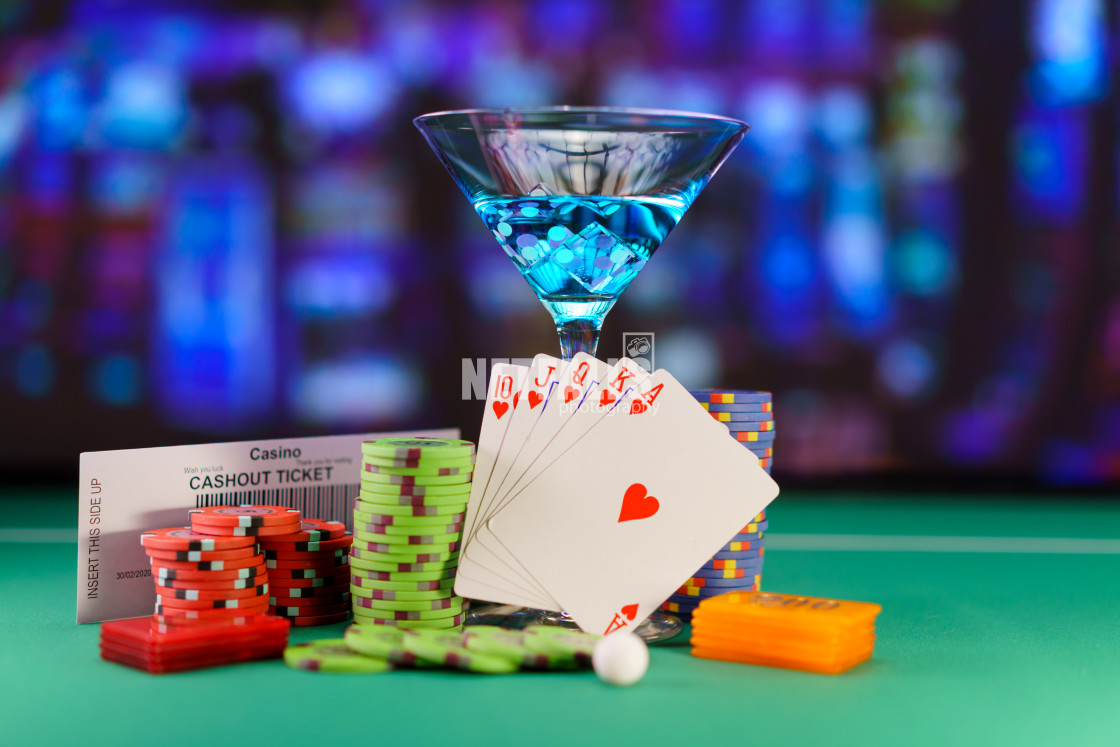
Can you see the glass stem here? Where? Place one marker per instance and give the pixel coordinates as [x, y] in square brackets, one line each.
[578, 336]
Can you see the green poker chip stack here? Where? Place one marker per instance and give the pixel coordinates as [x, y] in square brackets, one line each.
[408, 526]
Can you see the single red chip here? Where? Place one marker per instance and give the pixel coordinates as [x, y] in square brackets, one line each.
[286, 590]
[339, 562]
[259, 604]
[185, 538]
[178, 574]
[289, 602]
[203, 628]
[305, 611]
[341, 552]
[325, 582]
[217, 530]
[233, 643]
[314, 530]
[306, 621]
[280, 544]
[161, 653]
[161, 668]
[185, 603]
[304, 573]
[206, 618]
[229, 584]
[194, 556]
[244, 516]
[209, 565]
[158, 664]
[248, 593]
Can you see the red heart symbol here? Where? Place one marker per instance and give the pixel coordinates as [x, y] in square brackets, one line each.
[636, 504]
[606, 399]
[630, 611]
[534, 399]
[638, 406]
[516, 396]
[570, 394]
[500, 409]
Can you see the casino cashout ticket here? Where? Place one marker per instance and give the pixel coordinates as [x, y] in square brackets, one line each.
[124, 493]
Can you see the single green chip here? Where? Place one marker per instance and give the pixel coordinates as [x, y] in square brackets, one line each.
[381, 478]
[363, 520]
[460, 467]
[332, 655]
[420, 538]
[367, 592]
[412, 530]
[407, 508]
[410, 605]
[420, 553]
[443, 584]
[513, 643]
[572, 646]
[440, 623]
[416, 447]
[440, 567]
[503, 642]
[383, 642]
[402, 554]
[411, 495]
[418, 491]
[448, 650]
[444, 576]
[397, 614]
[425, 463]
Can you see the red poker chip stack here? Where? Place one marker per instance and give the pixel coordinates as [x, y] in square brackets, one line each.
[309, 573]
[195, 571]
[305, 561]
[229, 586]
[256, 522]
[193, 640]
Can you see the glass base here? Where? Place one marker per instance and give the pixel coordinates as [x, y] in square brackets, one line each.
[658, 627]
[578, 335]
[502, 615]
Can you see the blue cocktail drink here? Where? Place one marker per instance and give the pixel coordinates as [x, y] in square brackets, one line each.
[580, 198]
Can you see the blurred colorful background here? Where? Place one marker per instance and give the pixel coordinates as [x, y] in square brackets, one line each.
[218, 222]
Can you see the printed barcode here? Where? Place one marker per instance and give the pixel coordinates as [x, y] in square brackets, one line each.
[331, 502]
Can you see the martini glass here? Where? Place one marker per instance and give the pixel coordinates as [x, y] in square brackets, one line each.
[579, 199]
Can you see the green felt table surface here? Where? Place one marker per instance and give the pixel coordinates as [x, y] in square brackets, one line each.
[1000, 625]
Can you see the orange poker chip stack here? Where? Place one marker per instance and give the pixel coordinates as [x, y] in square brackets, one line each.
[812, 634]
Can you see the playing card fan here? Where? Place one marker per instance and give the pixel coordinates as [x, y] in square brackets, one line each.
[579, 501]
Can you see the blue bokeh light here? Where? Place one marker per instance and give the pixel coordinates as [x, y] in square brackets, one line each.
[35, 371]
[117, 380]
